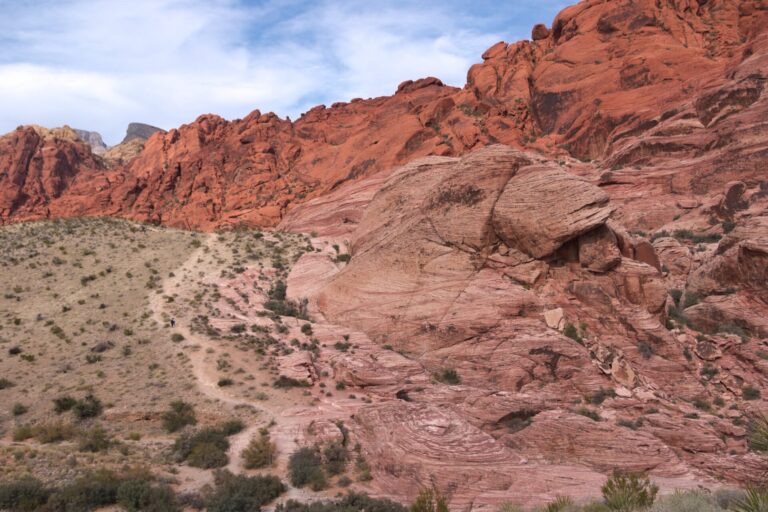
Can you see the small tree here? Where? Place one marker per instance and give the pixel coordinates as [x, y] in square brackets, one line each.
[260, 452]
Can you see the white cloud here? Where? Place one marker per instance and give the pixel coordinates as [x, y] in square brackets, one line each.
[99, 64]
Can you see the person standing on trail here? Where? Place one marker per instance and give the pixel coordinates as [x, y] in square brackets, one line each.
[173, 322]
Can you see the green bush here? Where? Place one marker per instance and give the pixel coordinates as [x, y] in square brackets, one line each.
[336, 457]
[94, 440]
[260, 452]
[207, 456]
[589, 413]
[599, 396]
[570, 331]
[750, 393]
[287, 383]
[139, 495]
[88, 407]
[19, 409]
[231, 427]
[352, 502]
[179, 416]
[206, 448]
[629, 491]
[305, 468]
[63, 404]
[25, 494]
[240, 493]
[448, 376]
[93, 490]
[429, 500]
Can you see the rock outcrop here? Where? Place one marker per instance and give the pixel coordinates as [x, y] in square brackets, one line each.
[646, 88]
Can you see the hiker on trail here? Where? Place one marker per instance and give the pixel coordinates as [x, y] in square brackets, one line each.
[173, 322]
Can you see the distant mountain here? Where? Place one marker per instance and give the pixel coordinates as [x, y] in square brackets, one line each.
[140, 131]
[93, 139]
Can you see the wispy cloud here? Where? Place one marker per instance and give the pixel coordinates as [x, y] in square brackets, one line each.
[99, 64]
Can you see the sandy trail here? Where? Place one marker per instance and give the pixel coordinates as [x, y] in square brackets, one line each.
[288, 423]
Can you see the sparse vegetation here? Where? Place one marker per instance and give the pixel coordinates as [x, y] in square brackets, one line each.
[179, 415]
[260, 452]
[448, 376]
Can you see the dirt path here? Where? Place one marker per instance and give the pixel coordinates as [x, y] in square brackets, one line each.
[200, 349]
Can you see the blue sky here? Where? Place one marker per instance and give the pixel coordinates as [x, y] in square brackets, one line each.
[100, 64]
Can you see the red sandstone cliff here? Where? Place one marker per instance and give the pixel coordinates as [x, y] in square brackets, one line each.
[593, 85]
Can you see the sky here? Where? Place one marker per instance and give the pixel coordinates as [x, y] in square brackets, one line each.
[100, 64]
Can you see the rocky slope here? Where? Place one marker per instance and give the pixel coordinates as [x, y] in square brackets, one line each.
[515, 273]
[625, 83]
[557, 270]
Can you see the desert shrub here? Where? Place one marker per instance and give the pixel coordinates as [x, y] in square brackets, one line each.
[343, 258]
[231, 427]
[589, 413]
[278, 290]
[88, 407]
[628, 491]
[179, 415]
[93, 490]
[560, 504]
[207, 456]
[136, 495]
[352, 502]
[335, 456]
[750, 393]
[25, 494]
[93, 440]
[288, 382]
[260, 452]
[225, 381]
[63, 404]
[206, 448]
[691, 501]
[755, 500]
[19, 409]
[676, 295]
[306, 329]
[54, 432]
[5, 383]
[240, 493]
[448, 376]
[22, 433]
[645, 349]
[430, 500]
[177, 337]
[599, 396]
[572, 332]
[691, 299]
[305, 468]
[758, 434]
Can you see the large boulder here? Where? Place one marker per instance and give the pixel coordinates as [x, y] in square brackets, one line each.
[542, 207]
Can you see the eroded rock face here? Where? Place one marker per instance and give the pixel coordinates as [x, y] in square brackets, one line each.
[543, 207]
[536, 340]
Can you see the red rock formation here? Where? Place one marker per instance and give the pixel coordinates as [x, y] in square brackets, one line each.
[629, 82]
